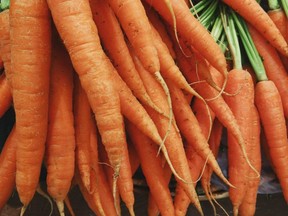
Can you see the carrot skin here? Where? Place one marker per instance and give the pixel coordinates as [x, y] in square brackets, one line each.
[8, 168]
[6, 95]
[271, 113]
[60, 145]
[30, 63]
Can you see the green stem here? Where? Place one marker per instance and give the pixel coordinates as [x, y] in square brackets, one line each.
[217, 28]
[284, 4]
[231, 34]
[206, 17]
[251, 51]
[4, 4]
[273, 4]
[199, 7]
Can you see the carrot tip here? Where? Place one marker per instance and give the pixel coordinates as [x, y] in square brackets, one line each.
[60, 206]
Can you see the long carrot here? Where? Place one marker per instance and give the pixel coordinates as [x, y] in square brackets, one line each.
[275, 70]
[8, 168]
[60, 145]
[95, 72]
[191, 29]
[136, 27]
[253, 13]
[30, 63]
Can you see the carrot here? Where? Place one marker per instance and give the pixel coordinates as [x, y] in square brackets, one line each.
[101, 191]
[82, 115]
[173, 141]
[152, 169]
[30, 63]
[95, 73]
[241, 105]
[190, 29]
[60, 145]
[113, 40]
[152, 208]
[273, 66]
[6, 95]
[271, 113]
[8, 168]
[136, 27]
[5, 43]
[253, 13]
[248, 205]
[133, 157]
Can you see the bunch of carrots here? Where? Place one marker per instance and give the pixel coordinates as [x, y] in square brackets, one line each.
[101, 88]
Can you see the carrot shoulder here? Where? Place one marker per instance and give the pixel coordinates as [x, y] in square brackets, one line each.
[30, 63]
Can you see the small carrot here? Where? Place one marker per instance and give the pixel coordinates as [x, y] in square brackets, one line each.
[137, 28]
[60, 144]
[30, 63]
[8, 168]
[253, 13]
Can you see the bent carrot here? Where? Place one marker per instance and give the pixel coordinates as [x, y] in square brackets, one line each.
[95, 72]
[30, 63]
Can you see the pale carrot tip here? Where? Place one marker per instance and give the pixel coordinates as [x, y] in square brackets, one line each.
[235, 210]
[23, 209]
[131, 210]
[60, 206]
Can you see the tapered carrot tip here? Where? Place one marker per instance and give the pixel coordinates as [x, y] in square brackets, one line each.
[60, 206]
[23, 209]
[131, 210]
[235, 211]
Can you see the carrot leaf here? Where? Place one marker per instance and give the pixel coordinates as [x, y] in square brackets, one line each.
[4, 4]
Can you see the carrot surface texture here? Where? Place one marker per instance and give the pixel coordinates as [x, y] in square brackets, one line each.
[95, 73]
[30, 63]
[60, 145]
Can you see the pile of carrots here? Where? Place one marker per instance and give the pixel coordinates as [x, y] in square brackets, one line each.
[102, 88]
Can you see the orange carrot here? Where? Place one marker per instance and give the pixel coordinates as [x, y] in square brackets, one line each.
[241, 105]
[173, 143]
[95, 72]
[191, 29]
[147, 152]
[248, 205]
[273, 66]
[5, 43]
[60, 145]
[113, 40]
[30, 63]
[271, 113]
[8, 168]
[6, 95]
[82, 115]
[253, 13]
[137, 28]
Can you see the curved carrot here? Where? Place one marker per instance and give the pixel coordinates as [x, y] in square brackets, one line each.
[60, 145]
[30, 63]
[137, 28]
[94, 70]
[8, 168]
[253, 13]
[274, 68]
[271, 113]
[191, 29]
